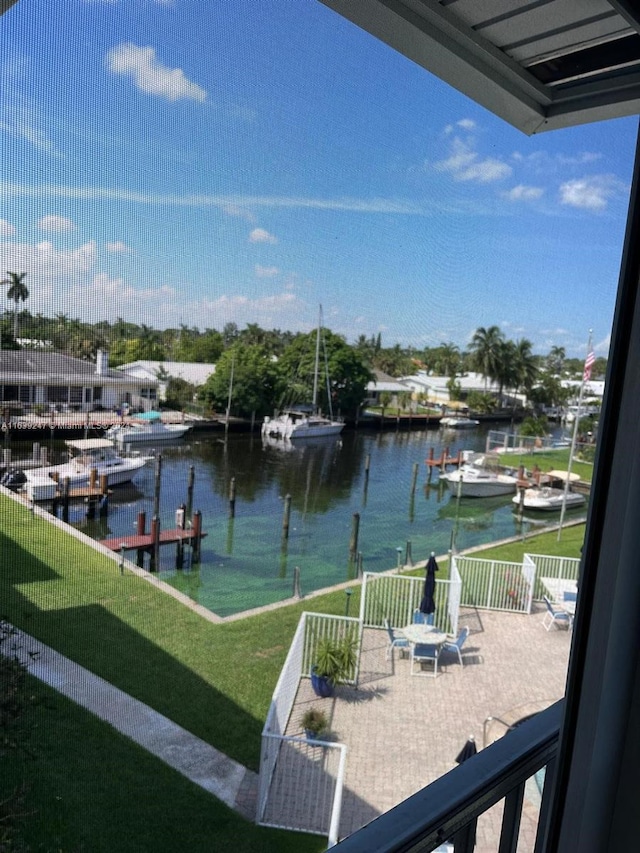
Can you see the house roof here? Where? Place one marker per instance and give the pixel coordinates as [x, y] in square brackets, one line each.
[194, 372]
[33, 367]
[384, 382]
[538, 64]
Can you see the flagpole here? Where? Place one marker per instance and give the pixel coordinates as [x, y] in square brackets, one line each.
[574, 437]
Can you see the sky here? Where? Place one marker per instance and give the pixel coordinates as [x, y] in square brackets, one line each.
[190, 162]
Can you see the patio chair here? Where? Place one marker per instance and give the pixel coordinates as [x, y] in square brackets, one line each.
[421, 652]
[423, 618]
[555, 616]
[457, 644]
[396, 641]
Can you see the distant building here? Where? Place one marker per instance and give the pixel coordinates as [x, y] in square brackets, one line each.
[192, 372]
[383, 383]
[34, 379]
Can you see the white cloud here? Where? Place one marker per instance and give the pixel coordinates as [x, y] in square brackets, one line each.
[523, 193]
[150, 76]
[6, 228]
[43, 260]
[590, 193]
[266, 272]
[118, 247]
[259, 235]
[465, 164]
[55, 224]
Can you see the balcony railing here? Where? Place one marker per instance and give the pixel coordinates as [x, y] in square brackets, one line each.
[448, 809]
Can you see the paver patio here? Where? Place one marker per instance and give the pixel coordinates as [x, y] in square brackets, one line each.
[402, 732]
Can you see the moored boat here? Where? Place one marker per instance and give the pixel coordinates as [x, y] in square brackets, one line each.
[455, 422]
[548, 499]
[89, 454]
[141, 431]
[475, 481]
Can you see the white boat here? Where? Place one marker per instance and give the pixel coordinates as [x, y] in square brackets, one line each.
[458, 422]
[292, 424]
[139, 431]
[304, 422]
[89, 453]
[547, 499]
[474, 480]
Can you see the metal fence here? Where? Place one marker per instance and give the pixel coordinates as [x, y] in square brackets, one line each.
[567, 568]
[396, 597]
[494, 584]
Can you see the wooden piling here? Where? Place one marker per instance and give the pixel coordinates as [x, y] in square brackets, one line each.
[180, 525]
[190, 484]
[156, 485]
[414, 479]
[296, 582]
[232, 497]
[65, 499]
[408, 558]
[286, 516]
[141, 530]
[154, 565]
[93, 478]
[353, 542]
[197, 535]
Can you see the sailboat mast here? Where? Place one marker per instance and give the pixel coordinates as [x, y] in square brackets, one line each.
[314, 399]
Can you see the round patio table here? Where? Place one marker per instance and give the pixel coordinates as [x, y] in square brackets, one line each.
[421, 633]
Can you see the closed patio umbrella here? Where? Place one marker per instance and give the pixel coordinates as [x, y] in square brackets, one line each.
[428, 604]
[468, 750]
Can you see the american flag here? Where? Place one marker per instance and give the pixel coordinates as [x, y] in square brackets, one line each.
[588, 364]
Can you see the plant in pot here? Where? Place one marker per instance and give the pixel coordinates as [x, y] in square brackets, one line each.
[335, 663]
[315, 724]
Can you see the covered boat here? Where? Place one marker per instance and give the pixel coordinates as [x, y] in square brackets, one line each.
[89, 454]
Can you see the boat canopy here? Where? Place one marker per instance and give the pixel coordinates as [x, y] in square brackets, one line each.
[89, 443]
[562, 475]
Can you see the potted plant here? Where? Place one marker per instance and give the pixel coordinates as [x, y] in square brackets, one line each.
[315, 724]
[335, 663]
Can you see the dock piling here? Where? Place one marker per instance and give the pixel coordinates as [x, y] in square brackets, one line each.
[232, 497]
[353, 542]
[286, 517]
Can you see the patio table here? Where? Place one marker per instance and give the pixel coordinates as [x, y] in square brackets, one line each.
[421, 633]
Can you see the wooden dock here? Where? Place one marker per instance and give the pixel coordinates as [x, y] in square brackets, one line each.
[146, 541]
[150, 543]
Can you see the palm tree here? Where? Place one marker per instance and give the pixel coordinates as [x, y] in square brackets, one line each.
[486, 350]
[17, 292]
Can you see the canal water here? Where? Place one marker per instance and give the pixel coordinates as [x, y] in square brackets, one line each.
[245, 560]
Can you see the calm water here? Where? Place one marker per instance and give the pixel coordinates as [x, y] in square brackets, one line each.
[244, 561]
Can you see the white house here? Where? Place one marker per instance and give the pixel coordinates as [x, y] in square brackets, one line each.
[192, 372]
[35, 379]
[383, 383]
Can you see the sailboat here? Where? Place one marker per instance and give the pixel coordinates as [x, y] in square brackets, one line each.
[304, 422]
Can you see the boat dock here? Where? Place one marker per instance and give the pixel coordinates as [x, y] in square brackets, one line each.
[149, 543]
[444, 460]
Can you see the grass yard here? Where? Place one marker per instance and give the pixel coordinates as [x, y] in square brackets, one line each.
[91, 789]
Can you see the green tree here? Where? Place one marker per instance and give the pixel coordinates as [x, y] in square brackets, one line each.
[255, 381]
[486, 351]
[18, 292]
[347, 375]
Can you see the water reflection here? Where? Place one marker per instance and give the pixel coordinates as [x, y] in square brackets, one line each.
[247, 560]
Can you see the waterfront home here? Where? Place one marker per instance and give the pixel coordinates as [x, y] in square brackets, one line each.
[161, 371]
[385, 384]
[38, 381]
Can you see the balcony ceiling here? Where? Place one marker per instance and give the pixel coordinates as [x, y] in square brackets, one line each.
[538, 64]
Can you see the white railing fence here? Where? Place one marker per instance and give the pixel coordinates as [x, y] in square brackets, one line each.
[306, 791]
[300, 781]
[566, 568]
[455, 595]
[493, 584]
[395, 597]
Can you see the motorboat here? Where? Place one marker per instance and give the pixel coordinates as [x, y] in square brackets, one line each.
[458, 422]
[140, 431]
[86, 455]
[548, 499]
[475, 479]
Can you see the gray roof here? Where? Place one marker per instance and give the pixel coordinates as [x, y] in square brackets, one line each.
[538, 64]
[53, 368]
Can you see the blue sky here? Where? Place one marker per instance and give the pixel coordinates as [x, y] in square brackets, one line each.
[173, 161]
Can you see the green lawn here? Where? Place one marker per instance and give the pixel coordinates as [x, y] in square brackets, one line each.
[216, 680]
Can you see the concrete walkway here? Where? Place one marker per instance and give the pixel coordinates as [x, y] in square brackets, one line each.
[207, 767]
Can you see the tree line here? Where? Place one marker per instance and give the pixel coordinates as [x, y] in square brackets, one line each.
[271, 365]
